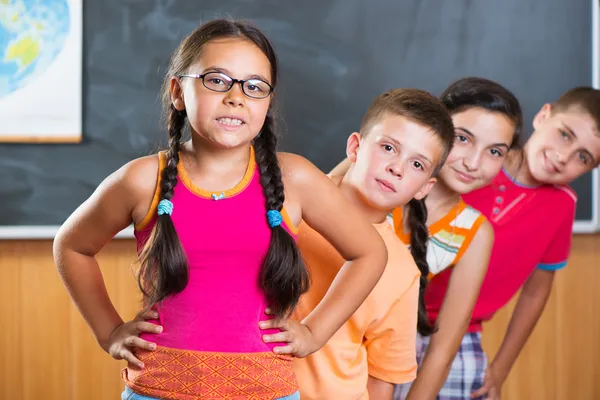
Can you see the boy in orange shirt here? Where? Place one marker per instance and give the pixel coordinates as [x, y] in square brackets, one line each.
[404, 138]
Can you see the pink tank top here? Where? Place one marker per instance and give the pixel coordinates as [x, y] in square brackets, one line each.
[225, 237]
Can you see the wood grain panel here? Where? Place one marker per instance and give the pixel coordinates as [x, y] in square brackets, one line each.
[49, 352]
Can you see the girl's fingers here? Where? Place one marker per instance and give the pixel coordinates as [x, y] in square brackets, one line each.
[281, 337]
[147, 327]
[134, 341]
[288, 349]
[127, 355]
[272, 324]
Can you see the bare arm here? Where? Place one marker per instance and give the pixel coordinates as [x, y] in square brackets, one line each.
[86, 232]
[379, 389]
[341, 168]
[453, 320]
[527, 312]
[326, 209]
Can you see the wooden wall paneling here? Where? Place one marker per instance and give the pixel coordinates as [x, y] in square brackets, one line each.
[11, 340]
[49, 352]
[98, 374]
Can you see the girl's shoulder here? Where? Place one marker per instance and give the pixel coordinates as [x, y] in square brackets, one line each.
[141, 174]
[141, 178]
[472, 229]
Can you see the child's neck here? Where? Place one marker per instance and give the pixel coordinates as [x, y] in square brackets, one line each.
[517, 167]
[374, 215]
[440, 200]
[207, 157]
[214, 169]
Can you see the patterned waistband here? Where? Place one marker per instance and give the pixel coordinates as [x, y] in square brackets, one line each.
[185, 375]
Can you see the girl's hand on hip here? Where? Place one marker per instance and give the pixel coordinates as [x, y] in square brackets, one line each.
[299, 340]
[125, 338]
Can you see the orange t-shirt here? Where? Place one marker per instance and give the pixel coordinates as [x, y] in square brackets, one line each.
[378, 340]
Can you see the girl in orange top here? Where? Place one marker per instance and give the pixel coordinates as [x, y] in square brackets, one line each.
[447, 236]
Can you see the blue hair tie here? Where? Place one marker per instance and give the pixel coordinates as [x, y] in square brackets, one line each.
[165, 207]
[274, 217]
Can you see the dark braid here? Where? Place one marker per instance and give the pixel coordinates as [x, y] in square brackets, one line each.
[164, 268]
[419, 236]
[283, 277]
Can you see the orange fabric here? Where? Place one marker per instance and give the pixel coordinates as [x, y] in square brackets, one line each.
[378, 340]
[237, 189]
[469, 235]
[187, 375]
[442, 224]
[151, 212]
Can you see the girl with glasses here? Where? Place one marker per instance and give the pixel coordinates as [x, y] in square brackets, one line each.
[215, 222]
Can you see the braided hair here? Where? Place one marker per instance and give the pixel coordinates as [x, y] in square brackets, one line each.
[164, 266]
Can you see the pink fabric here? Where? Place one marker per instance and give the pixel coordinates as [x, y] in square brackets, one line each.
[226, 242]
[532, 227]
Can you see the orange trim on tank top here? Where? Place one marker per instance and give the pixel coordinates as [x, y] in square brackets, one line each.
[434, 228]
[227, 193]
[469, 235]
[440, 224]
[399, 225]
[203, 193]
[288, 221]
[446, 219]
[152, 210]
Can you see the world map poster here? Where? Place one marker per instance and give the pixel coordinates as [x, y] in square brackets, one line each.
[40, 70]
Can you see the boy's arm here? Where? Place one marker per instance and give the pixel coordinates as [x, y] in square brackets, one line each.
[379, 389]
[341, 168]
[530, 305]
[534, 295]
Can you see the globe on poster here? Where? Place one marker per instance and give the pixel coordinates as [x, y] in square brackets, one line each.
[40, 42]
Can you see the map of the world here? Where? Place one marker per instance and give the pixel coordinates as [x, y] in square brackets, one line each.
[32, 34]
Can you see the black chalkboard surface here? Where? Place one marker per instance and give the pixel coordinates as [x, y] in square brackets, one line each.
[336, 56]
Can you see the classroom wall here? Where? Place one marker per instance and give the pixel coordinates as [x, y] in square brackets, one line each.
[335, 57]
[49, 353]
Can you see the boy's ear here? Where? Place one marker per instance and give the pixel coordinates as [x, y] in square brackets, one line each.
[352, 146]
[542, 115]
[424, 191]
[176, 94]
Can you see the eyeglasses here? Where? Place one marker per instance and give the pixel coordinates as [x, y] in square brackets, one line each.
[219, 82]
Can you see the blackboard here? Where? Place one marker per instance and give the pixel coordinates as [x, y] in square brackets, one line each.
[336, 56]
